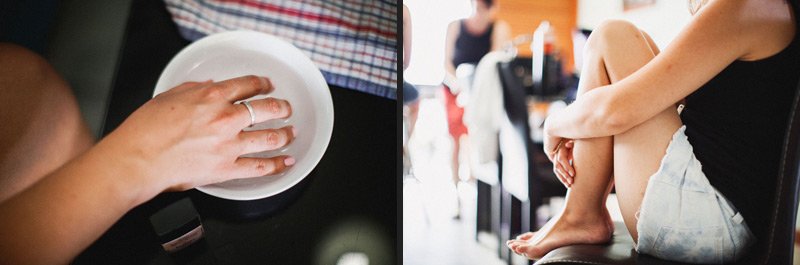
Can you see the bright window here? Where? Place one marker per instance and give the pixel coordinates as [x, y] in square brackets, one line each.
[429, 27]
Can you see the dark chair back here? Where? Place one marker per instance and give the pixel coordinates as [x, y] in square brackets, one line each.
[780, 239]
[513, 76]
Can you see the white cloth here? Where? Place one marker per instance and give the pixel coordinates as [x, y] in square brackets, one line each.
[484, 112]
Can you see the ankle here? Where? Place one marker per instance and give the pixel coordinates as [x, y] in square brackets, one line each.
[585, 217]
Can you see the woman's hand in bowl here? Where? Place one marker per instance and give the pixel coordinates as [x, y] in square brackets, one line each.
[192, 134]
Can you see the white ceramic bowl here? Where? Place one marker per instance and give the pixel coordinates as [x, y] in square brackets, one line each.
[236, 53]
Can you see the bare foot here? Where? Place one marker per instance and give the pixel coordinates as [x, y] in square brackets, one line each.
[562, 231]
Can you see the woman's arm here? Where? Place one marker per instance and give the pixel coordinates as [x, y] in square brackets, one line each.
[406, 37]
[721, 32]
[186, 137]
[500, 35]
[449, 48]
[55, 219]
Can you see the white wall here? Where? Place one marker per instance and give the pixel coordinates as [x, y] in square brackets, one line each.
[429, 20]
[662, 21]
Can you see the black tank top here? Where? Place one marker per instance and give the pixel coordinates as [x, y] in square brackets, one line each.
[470, 48]
[737, 123]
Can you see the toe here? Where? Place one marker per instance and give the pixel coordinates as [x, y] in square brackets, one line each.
[525, 236]
[530, 251]
[515, 245]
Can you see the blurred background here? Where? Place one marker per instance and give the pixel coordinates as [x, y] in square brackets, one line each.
[474, 171]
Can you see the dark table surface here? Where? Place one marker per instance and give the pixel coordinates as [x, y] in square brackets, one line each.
[348, 204]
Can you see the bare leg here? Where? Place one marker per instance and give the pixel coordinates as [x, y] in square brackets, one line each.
[410, 114]
[41, 125]
[456, 178]
[638, 151]
[413, 113]
[615, 50]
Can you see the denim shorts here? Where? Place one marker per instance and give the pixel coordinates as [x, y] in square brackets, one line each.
[410, 93]
[683, 218]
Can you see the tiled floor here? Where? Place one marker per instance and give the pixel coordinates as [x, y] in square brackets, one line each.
[430, 234]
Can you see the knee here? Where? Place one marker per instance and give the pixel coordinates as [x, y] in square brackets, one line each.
[613, 31]
[21, 58]
[21, 66]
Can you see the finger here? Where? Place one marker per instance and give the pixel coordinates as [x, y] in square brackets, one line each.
[567, 178]
[564, 176]
[265, 140]
[569, 144]
[569, 156]
[563, 163]
[256, 166]
[559, 173]
[269, 109]
[563, 159]
[243, 87]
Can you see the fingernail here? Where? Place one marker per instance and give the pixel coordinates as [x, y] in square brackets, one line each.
[267, 84]
[294, 132]
[289, 161]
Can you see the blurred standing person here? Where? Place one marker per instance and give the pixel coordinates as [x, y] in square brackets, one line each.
[467, 41]
[410, 93]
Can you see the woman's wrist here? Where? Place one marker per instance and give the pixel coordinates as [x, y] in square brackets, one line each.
[128, 173]
[547, 126]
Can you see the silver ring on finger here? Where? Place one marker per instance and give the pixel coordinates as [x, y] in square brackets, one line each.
[251, 111]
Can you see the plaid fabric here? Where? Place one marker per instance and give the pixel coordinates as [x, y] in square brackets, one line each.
[353, 42]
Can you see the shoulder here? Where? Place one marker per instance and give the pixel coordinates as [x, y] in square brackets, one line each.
[454, 25]
[763, 27]
[501, 25]
[453, 28]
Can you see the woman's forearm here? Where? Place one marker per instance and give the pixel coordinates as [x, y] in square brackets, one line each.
[58, 217]
[595, 114]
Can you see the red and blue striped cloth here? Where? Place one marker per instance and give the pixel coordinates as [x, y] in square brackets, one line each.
[353, 42]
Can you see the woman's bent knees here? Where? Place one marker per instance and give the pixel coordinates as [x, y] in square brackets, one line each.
[41, 125]
[611, 31]
[620, 47]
